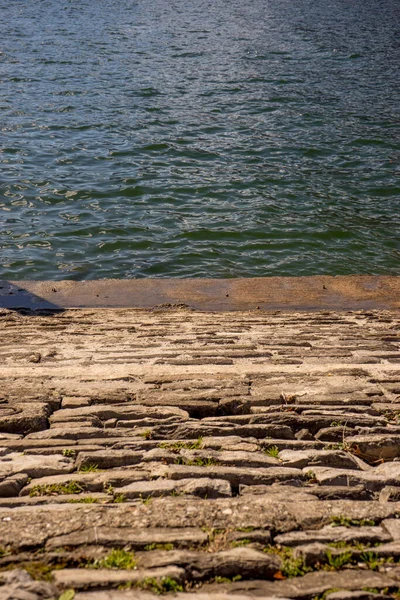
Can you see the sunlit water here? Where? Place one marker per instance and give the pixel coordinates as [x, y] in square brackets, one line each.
[183, 138]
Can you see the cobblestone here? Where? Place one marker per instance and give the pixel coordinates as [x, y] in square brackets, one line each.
[206, 455]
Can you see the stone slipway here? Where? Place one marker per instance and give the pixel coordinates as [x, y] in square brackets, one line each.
[204, 454]
[267, 293]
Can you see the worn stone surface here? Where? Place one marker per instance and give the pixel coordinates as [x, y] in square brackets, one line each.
[312, 584]
[98, 578]
[206, 455]
[19, 585]
[34, 466]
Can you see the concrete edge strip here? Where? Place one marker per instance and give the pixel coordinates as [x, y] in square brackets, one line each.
[352, 292]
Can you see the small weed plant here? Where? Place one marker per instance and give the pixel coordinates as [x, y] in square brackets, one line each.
[338, 521]
[178, 446]
[118, 558]
[88, 468]
[272, 451]
[57, 489]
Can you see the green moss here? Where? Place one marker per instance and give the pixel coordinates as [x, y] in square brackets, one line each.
[86, 500]
[203, 462]
[56, 489]
[37, 569]
[167, 547]
[348, 545]
[157, 586]
[348, 522]
[4, 551]
[219, 579]
[238, 543]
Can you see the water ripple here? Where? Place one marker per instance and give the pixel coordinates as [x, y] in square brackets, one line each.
[182, 139]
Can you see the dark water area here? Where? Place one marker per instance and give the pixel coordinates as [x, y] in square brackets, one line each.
[176, 138]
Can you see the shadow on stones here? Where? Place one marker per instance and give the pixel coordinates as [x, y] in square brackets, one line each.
[20, 300]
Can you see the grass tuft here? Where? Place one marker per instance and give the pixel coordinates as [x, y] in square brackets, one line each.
[57, 489]
[338, 521]
[178, 446]
[157, 586]
[88, 468]
[272, 451]
[167, 547]
[118, 558]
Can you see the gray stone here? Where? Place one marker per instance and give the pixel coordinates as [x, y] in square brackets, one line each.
[26, 418]
[392, 526]
[75, 401]
[312, 553]
[330, 533]
[201, 566]
[389, 470]
[126, 411]
[235, 475]
[359, 595]
[304, 434]
[337, 492]
[11, 486]
[372, 480]
[10, 436]
[97, 578]
[225, 457]
[334, 434]
[23, 527]
[19, 585]
[195, 430]
[206, 488]
[393, 572]
[91, 482]
[234, 406]
[376, 447]
[108, 459]
[53, 498]
[315, 423]
[135, 538]
[140, 595]
[278, 494]
[390, 550]
[246, 562]
[203, 487]
[34, 466]
[79, 433]
[311, 458]
[310, 585]
[116, 595]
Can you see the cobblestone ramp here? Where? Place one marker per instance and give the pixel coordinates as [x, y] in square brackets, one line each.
[207, 455]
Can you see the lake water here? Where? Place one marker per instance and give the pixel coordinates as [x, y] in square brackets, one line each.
[182, 138]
